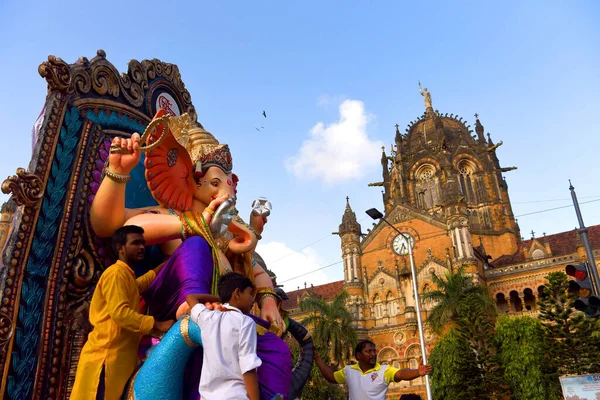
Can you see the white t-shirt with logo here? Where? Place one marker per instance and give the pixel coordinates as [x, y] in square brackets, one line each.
[369, 385]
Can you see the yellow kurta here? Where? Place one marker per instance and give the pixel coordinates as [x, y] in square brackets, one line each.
[114, 341]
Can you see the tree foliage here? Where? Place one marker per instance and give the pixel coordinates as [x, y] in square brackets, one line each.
[451, 291]
[331, 326]
[475, 322]
[523, 353]
[317, 388]
[455, 372]
[467, 306]
[573, 340]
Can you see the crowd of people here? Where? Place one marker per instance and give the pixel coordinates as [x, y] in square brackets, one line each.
[229, 338]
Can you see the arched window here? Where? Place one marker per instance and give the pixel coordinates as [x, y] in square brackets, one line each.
[387, 356]
[391, 304]
[377, 305]
[468, 184]
[426, 303]
[427, 193]
[413, 355]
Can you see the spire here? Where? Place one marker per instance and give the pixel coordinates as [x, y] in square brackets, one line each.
[349, 223]
[384, 165]
[479, 129]
[398, 140]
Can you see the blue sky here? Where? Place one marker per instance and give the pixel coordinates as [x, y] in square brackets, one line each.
[326, 69]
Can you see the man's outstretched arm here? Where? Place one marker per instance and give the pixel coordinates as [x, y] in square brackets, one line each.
[408, 374]
[326, 371]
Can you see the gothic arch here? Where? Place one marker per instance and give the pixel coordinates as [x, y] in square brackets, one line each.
[424, 161]
[438, 265]
[413, 355]
[470, 183]
[427, 192]
[468, 159]
[387, 354]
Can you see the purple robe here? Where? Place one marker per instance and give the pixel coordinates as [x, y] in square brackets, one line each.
[189, 270]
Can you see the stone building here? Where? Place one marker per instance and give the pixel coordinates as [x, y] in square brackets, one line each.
[444, 187]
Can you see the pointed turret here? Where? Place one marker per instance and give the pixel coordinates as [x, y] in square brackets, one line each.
[479, 129]
[350, 234]
[385, 165]
[398, 140]
[349, 223]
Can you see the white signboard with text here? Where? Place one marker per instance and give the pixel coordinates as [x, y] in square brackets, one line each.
[581, 387]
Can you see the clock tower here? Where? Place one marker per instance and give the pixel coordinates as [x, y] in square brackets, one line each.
[443, 187]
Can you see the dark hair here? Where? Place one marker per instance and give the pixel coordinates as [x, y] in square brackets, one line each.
[411, 396]
[231, 281]
[120, 236]
[361, 345]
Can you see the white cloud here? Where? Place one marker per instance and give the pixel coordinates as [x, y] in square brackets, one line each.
[325, 100]
[339, 151]
[287, 264]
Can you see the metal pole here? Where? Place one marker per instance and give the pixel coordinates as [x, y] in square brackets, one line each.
[586, 241]
[413, 272]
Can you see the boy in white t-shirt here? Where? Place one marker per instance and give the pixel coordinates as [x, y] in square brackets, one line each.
[229, 341]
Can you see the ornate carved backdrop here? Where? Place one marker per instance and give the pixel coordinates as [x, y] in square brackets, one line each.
[52, 259]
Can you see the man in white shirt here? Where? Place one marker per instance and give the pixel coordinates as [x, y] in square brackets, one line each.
[229, 342]
[368, 380]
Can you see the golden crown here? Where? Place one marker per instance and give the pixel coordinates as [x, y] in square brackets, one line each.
[204, 149]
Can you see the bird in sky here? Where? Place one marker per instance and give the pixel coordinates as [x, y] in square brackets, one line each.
[257, 129]
[264, 114]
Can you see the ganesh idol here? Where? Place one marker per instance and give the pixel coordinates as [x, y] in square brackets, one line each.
[196, 226]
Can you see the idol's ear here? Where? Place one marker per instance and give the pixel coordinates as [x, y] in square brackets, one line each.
[169, 170]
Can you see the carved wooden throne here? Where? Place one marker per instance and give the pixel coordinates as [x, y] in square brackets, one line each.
[52, 259]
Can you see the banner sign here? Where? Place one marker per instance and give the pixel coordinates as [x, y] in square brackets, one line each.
[581, 387]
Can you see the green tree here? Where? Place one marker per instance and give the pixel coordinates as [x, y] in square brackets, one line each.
[455, 374]
[466, 305]
[475, 323]
[451, 291]
[573, 340]
[331, 326]
[317, 388]
[522, 351]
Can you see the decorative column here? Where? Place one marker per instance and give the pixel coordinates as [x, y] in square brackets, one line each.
[522, 298]
[467, 242]
[459, 243]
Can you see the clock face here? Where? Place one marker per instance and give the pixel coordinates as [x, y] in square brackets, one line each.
[401, 242]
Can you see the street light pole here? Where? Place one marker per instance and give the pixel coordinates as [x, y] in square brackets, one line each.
[375, 214]
[586, 241]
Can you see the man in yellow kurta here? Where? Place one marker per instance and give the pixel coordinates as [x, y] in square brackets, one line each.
[109, 357]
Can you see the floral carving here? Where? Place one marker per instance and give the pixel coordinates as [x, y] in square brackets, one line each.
[56, 72]
[105, 80]
[26, 187]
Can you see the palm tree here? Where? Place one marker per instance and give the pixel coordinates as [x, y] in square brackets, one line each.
[452, 294]
[331, 325]
[467, 305]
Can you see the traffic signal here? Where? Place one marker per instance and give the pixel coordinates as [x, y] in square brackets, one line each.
[582, 285]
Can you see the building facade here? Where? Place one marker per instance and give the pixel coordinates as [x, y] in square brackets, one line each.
[443, 186]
